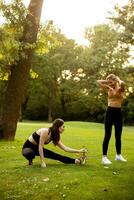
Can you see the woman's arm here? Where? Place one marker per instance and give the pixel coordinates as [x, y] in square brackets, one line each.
[68, 149]
[104, 84]
[120, 84]
[43, 137]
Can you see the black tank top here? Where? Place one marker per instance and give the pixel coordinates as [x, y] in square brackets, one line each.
[36, 137]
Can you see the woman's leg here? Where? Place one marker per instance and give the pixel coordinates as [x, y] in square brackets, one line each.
[29, 154]
[108, 129]
[118, 130]
[29, 151]
[56, 156]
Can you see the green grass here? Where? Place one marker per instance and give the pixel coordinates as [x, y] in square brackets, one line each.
[70, 182]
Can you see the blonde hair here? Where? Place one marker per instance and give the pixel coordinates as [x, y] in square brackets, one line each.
[115, 78]
[112, 77]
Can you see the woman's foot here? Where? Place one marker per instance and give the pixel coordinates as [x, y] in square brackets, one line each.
[30, 162]
[119, 157]
[81, 160]
[106, 161]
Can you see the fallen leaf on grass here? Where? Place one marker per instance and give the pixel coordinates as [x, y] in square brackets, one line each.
[106, 167]
[46, 179]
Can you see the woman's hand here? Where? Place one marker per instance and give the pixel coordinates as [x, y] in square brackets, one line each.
[83, 150]
[43, 164]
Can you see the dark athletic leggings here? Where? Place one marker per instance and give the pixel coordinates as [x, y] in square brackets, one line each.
[29, 151]
[113, 117]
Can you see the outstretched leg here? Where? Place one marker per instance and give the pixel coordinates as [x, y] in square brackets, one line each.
[56, 156]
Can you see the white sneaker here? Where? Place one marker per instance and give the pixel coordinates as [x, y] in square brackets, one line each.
[106, 161]
[120, 158]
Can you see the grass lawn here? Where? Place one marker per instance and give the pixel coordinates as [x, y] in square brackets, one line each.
[58, 181]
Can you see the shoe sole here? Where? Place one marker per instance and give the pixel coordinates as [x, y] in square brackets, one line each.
[121, 160]
[106, 163]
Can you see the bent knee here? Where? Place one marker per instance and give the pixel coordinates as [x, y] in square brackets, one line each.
[27, 151]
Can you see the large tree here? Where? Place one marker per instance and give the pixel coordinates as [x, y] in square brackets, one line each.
[19, 72]
[124, 23]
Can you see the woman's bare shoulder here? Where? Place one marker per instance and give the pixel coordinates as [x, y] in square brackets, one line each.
[43, 130]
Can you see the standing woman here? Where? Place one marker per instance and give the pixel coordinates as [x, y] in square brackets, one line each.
[34, 145]
[115, 89]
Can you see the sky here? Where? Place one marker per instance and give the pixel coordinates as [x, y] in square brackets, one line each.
[72, 16]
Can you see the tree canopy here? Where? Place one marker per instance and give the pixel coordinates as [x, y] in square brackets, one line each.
[61, 74]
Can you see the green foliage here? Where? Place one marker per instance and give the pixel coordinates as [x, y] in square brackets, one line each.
[105, 53]
[71, 182]
[55, 58]
[66, 74]
[63, 75]
[128, 109]
[9, 47]
[35, 105]
[14, 14]
[125, 19]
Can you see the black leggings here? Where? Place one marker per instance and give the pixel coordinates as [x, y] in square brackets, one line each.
[29, 151]
[113, 117]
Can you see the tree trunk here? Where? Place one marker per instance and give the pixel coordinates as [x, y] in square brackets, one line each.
[63, 102]
[50, 102]
[51, 99]
[20, 73]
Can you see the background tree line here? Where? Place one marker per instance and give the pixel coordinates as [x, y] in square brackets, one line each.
[62, 74]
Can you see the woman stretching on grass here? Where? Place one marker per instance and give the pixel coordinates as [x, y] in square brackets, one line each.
[115, 89]
[34, 146]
